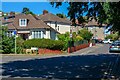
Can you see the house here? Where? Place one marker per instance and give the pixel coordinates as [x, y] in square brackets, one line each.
[60, 24]
[93, 26]
[98, 31]
[29, 27]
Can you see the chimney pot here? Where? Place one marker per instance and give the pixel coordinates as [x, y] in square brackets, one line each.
[44, 12]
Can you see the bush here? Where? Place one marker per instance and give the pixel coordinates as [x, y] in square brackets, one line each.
[114, 36]
[79, 38]
[65, 38]
[85, 34]
[19, 44]
[44, 43]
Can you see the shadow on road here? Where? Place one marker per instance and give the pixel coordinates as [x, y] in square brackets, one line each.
[89, 66]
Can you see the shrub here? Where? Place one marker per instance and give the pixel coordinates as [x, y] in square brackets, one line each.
[44, 43]
[19, 44]
[79, 38]
[65, 38]
[114, 36]
[85, 34]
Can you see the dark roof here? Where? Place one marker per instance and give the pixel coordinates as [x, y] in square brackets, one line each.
[31, 22]
[7, 19]
[53, 18]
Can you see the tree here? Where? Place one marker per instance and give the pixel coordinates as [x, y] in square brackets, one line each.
[27, 11]
[85, 34]
[61, 15]
[7, 42]
[114, 36]
[103, 12]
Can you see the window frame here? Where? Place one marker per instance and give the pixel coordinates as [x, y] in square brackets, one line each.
[22, 22]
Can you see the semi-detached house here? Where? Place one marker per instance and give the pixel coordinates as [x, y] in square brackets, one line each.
[29, 27]
[62, 25]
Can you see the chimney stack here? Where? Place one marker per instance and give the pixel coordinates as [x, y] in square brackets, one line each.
[45, 12]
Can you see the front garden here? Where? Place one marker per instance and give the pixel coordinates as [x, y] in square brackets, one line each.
[64, 42]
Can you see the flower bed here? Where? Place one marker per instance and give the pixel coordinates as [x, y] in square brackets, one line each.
[48, 51]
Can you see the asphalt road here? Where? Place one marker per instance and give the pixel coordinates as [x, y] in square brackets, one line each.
[92, 62]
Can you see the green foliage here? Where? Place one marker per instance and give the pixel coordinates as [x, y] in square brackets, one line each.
[19, 45]
[79, 38]
[44, 43]
[61, 15]
[64, 37]
[113, 36]
[108, 37]
[69, 42]
[7, 42]
[85, 34]
[8, 45]
[27, 11]
[104, 12]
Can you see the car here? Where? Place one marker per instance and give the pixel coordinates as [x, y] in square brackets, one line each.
[114, 47]
[108, 41]
[117, 41]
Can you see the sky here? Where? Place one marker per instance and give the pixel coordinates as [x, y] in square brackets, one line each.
[35, 7]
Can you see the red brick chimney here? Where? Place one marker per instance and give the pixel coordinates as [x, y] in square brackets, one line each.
[44, 12]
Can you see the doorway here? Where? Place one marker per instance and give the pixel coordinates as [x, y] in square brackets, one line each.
[24, 36]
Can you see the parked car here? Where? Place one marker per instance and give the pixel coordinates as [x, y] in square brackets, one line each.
[115, 47]
[108, 41]
[117, 41]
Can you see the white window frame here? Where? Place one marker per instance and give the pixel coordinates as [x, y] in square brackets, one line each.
[37, 34]
[22, 23]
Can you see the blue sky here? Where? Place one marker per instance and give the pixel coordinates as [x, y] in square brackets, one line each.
[35, 7]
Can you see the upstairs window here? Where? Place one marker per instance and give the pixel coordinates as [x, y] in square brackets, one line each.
[22, 22]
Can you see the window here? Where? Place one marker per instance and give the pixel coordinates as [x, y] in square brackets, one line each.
[9, 34]
[22, 22]
[37, 34]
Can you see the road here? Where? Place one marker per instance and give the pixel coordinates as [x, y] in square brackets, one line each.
[92, 62]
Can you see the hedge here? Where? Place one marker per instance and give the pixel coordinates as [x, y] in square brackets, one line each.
[44, 43]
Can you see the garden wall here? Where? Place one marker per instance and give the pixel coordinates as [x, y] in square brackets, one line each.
[76, 48]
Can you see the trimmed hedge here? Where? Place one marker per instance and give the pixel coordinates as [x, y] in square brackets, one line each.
[44, 43]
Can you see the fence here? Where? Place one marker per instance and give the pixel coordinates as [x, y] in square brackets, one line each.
[74, 46]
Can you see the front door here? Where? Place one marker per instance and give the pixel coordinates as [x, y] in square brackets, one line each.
[24, 36]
